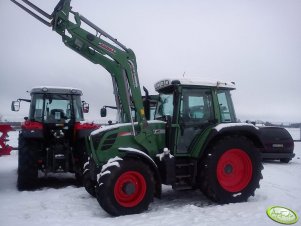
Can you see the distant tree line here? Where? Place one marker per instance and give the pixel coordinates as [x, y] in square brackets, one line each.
[287, 125]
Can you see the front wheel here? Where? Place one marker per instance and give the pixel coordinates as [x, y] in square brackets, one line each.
[231, 170]
[125, 188]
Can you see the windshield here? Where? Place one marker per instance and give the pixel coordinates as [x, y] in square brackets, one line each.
[55, 108]
[164, 106]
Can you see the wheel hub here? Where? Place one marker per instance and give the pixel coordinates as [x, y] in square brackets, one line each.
[128, 188]
[228, 169]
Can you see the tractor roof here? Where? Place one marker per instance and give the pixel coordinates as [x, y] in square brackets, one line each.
[193, 82]
[56, 89]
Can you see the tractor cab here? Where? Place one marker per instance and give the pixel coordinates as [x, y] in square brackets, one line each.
[54, 105]
[191, 107]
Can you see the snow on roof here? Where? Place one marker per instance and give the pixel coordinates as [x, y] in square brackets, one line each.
[227, 125]
[56, 89]
[195, 81]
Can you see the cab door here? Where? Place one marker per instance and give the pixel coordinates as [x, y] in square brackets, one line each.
[195, 114]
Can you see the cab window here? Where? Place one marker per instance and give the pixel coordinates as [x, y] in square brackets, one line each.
[226, 106]
[196, 105]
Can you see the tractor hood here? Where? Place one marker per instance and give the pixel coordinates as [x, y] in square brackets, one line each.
[105, 141]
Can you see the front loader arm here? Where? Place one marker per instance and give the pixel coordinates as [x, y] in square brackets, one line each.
[99, 48]
[119, 61]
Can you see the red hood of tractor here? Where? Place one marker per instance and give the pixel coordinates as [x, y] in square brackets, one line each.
[86, 126]
[30, 125]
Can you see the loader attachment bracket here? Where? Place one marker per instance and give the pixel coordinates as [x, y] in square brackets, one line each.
[40, 14]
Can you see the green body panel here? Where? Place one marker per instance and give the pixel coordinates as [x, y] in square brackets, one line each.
[111, 138]
[198, 146]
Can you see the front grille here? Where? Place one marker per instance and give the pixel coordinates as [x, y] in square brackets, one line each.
[108, 143]
[96, 139]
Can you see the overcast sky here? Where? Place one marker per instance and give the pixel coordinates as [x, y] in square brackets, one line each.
[255, 43]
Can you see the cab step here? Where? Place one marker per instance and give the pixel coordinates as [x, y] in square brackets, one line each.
[185, 174]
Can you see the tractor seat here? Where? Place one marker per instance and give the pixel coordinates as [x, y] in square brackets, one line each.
[57, 114]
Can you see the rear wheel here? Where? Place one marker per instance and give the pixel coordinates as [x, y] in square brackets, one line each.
[125, 189]
[79, 158]
[27, 164]
[231, 170]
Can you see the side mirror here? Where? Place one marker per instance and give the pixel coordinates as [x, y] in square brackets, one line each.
[85, 107]
[103, 112]
[15, 106]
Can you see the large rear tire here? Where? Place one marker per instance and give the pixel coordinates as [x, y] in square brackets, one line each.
[80, 154]
[125, 188]
[231, 170]
[27, 164]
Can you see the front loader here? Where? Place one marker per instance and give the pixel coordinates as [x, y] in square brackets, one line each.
[194, 141]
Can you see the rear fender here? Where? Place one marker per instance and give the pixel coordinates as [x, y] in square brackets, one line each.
[84, 129]
[31, 129]
[228, 129]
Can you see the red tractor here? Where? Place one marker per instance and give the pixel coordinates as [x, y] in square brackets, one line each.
[51, 139]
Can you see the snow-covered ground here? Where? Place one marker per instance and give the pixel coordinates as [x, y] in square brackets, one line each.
[295, 133]
[60, 202]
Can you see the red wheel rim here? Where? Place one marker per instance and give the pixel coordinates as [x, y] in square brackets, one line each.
[130, 189]
[234, 170]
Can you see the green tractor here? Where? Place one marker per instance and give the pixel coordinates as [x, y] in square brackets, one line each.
[193, 142]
